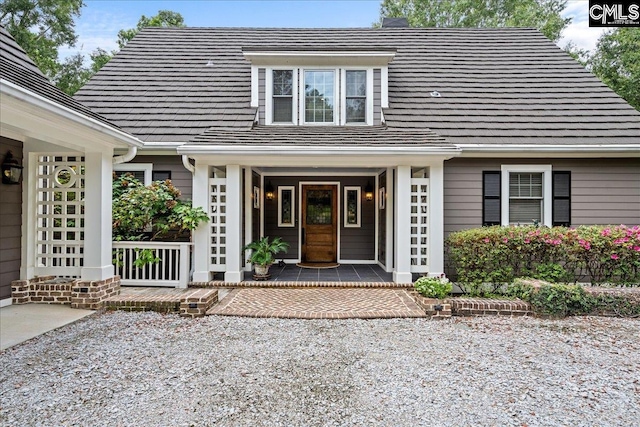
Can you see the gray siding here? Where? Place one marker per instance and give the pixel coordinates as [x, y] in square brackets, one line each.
[180, 177]
[262, 94]
[10, 223]
[603, 191]
[377, 97]
[355, 243]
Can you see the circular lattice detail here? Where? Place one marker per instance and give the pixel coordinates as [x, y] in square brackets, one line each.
[65, 176]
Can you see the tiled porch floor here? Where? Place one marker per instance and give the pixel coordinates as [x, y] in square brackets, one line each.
[342, 273]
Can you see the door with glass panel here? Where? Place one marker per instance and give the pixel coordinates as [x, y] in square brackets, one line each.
[319, 223]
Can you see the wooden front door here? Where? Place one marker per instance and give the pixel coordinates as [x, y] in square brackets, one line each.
[319, 223]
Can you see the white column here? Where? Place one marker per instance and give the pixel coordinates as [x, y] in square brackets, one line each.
[402, 273]
[436, 219]
[248, 210]
[201, 234]
[29, 214]
[234, 271]
[389, 207]
[97, 216]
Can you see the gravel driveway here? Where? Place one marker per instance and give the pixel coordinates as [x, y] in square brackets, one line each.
[153, 370]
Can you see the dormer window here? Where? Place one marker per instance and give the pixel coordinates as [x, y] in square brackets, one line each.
[282, 96]
[319, 96]
[356, 96]
[319, 87]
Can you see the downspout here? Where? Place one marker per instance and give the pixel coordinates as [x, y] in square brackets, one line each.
[127, 157]
[187, 164]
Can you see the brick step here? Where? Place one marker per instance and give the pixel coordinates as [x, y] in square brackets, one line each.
[295, 284]
[186, 302]
[488, 307]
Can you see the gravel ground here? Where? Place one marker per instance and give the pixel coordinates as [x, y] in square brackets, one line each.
[157, 370]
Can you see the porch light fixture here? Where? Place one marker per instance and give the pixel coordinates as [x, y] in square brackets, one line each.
[269, 191]
[11, 169]
[368, 192]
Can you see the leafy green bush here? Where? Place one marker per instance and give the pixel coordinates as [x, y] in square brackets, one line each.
[433, 287]
[151, 212]
[486, 258]
[559, 300]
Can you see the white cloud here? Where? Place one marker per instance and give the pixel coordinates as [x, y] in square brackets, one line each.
[578, 31]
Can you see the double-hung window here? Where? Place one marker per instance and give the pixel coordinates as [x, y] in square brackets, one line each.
[355, 96]
[526, 194]
[282, 92]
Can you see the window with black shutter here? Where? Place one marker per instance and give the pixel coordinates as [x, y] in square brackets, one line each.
[562, 198]
[160, 175]
[491, 198]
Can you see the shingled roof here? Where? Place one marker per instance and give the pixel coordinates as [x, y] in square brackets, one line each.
[16, 67]
[497, 86]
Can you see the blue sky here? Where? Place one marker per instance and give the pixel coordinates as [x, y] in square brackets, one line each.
[102, 19]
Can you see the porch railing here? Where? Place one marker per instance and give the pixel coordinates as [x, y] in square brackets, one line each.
[171, 271]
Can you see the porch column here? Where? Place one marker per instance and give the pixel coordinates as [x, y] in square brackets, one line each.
[201, 234]
[248, 210]
[390, 206]
[98, 264]
[234, 271]
[436, 219]
[402, 272]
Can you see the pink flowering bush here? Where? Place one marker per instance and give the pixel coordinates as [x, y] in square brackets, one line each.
[498, 255]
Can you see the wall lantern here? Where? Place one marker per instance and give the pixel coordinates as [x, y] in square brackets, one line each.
[368, 192]
[269, 191]
[11, 169]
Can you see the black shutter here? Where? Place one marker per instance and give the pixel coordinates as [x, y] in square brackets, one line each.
[562, 198]
[490, 198]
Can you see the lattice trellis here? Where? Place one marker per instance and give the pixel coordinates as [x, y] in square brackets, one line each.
[419, 225]
[60, 215]
[218, 224]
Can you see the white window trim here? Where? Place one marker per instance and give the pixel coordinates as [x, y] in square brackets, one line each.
[547, 194]
[282, 188]
[147, 168]
[346, 207]
[336, 96]
[268, 104]
[343, 96]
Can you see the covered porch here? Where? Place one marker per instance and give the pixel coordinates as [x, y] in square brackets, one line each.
[380, 207]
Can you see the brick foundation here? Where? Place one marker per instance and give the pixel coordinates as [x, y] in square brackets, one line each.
[186, 302]
[90, 295]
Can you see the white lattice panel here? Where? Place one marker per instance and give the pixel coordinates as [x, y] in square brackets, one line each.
[419, 225]
[60, 215]
[218, 223]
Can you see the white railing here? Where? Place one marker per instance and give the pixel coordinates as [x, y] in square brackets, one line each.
[172, 270]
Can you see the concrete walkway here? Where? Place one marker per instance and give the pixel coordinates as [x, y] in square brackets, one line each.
[19, 323]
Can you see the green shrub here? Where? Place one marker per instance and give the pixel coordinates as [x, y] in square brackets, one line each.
[433, 287]
[486, 258]
[559, 300]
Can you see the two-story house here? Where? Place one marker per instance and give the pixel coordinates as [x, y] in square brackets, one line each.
[370, 145]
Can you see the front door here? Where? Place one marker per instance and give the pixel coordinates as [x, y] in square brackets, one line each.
[319, 223]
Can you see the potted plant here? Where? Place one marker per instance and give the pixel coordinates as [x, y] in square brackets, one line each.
[263, 253]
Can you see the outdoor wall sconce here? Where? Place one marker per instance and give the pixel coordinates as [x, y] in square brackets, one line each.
[11, 169]
[368, 192]
[269, 191]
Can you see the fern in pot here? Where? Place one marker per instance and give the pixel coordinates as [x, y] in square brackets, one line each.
[263, 253]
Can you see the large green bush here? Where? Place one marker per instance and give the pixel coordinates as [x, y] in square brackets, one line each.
[151, 212]
[487, 258]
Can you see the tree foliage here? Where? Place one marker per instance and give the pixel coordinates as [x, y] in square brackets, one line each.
[164, 18]
[616, 61]
[41, 27]
[544, 15]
